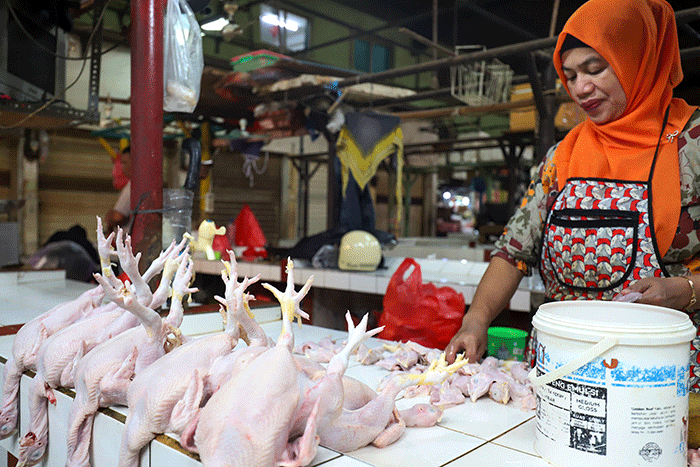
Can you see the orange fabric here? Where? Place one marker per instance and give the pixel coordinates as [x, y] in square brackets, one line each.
[638, 38]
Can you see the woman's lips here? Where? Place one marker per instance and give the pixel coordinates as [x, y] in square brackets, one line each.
[591, 105]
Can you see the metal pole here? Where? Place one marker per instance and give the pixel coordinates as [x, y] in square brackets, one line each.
[436, 83]
[511, 49]
[147, 124]
[426, 41]
[555, 14]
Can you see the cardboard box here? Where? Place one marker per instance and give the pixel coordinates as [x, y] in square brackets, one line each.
[568, 116]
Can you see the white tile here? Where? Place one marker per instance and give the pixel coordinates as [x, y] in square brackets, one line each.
[297, 275]
[195, 324]
[163, 455]
[301, 275]
[467, 291]
[305, 333]
[319, 276]
[430, 267]
[371, 375]
[268, 272]
[522, 437]
[323, 455]
[520, 300]
[382, 284]
[337, 280]
[491, 454]
[419, 447]
[363, 282]
[106, 440]
[343, 461]
[267, 314]
[478, 268]
[25, 277]
[245, 269]
[484, 418]
[205, 266]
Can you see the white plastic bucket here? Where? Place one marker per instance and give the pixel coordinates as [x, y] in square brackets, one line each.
[612, 384]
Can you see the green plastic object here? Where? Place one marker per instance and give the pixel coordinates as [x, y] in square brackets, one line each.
[506, 343]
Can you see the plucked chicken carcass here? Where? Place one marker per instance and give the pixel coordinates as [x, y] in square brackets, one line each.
[26, 345]
[60, 353]
[158, 397]
[103, 375]
[267, 414]
[29, 338]
[367, 417]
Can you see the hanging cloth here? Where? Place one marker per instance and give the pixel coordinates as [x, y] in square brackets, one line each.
[366, 139]
[648, 70]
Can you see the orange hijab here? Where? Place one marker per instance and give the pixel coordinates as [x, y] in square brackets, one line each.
[638, 39]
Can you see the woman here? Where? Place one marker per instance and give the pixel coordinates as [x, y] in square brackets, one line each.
[586, 221]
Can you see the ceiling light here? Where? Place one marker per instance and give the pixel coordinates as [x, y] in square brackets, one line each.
[274, 20]
[215, 25]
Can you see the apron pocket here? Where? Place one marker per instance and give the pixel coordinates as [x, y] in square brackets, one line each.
[591, 249]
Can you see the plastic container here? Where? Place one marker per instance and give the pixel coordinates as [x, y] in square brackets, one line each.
[506, 343]
[612, 384]
[177, 214]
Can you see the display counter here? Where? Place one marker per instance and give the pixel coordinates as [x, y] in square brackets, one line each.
[462, 275]
[471, 434]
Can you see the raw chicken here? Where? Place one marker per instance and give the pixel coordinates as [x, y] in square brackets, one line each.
[60, 353]
[103, 375]
[693, 457]
[423, 415]
[357, 417]
[267, 415]
[446, 395]
[251, 419]
[158, 398]
[29, 338]
[26, 346]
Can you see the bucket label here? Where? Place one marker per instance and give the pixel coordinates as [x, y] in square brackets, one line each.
[574, 411]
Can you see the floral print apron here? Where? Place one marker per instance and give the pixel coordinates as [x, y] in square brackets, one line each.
[598, 238]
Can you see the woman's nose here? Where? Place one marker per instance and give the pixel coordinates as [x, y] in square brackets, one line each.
[584, 87]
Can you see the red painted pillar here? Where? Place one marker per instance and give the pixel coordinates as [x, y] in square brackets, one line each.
[147, 125]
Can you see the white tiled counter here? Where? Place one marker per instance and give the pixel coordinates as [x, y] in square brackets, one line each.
[462, 275]
[471, 434]
[29, 293]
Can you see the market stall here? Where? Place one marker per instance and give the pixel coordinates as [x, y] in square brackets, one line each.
[472, 433]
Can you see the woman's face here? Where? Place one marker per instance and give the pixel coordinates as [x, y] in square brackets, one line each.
[593, 84]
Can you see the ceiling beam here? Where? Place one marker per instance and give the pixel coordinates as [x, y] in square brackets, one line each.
[363, 33]
[309, 11]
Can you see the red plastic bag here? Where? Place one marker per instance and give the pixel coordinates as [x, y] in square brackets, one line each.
[422, 313]
[247, 229]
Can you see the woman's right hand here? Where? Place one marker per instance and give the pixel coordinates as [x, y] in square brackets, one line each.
[470, 339]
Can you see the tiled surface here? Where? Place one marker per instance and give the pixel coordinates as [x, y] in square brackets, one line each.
[27, 294]
[461, 275]
[471, 434]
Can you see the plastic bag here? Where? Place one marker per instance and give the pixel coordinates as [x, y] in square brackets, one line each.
[183, 58]
[422, 313]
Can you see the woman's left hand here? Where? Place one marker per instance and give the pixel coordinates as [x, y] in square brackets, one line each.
[669, 292]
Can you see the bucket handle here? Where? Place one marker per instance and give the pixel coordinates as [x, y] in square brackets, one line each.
[597, 350]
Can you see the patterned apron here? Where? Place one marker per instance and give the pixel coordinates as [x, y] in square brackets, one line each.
[599, 238]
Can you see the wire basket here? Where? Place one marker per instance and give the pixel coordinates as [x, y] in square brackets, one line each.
[483, 82]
